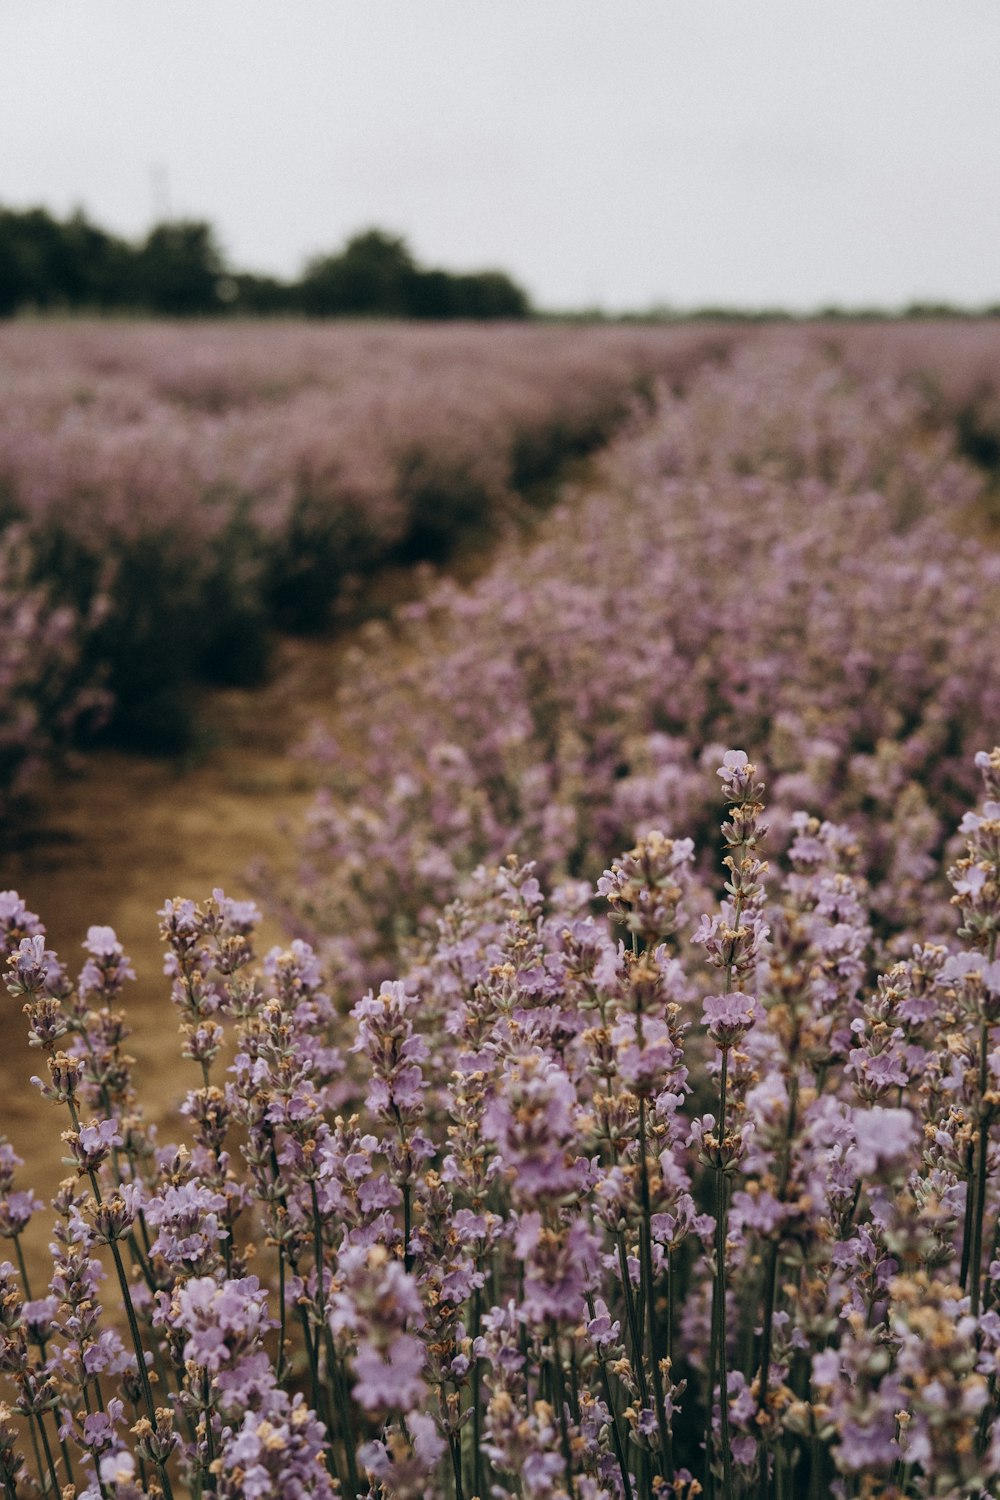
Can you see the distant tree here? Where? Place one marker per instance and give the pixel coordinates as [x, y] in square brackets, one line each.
[490, 294]
[178, 271]
[480, 295]
[375, 275]
[31, 263]
[934, 310]
[99, 268]
[259, 295]
[432, 294]
[369, 276]
[179, 268]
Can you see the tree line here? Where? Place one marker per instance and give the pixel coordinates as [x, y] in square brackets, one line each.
[178, 270]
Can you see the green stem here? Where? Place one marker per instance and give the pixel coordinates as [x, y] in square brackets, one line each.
[334, 1373]
[345, 1407]
[982, 1148]
[455, 1445]
[139, 1356]
[48, 1453]
[638, 1367]
[33, 1429]
[22, 1267]
[669, 1357]
[86, 1402]
[559, 1382]
[770, 1289]
[771, 1274]
[129, 1313]
[207, 1481]
[815, 1469]
[282, 1331]
[779, 1474]
[616, 1436]
[720, 1291]
[477, 1416]
[646, 1265]
[310, 1356]
[713, 1345]
[318, 1253]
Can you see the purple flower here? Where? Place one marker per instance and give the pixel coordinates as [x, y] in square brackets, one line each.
[601, 1331]
[91, 1144]
[223, 1321]
[16, 1210]
[428, 1443]
[99, 1428]
[28, 966]
[730, 1017]
[102, 942]
[117, 1468]
[390, 1378]
[885, 1140]
[532, 1122]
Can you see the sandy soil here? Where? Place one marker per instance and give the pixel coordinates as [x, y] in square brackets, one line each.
[109, 839]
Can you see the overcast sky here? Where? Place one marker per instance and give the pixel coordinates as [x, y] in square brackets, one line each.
[621, 152]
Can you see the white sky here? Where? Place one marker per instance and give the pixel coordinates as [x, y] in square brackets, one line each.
[622, 152]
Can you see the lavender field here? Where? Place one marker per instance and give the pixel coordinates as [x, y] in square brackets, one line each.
[169, 496]
[619, 1115]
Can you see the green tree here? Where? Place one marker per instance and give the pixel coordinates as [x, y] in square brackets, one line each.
[489, 294]
[179, 268]
[31, 267]
[369, 277]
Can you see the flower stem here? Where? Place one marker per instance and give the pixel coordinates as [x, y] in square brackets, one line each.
[771, 1279]
[48, 1453]
[477, 1416]
[616, 1436]
[646, 1271]
[139, 1356]
[22, 1267]
[982, 1148]
[721, 1189]
[638, 1367]
[32, 1428]
[559, 1381]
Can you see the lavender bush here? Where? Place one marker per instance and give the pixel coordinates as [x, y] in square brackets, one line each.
[604, 1198]
[46, 690]
[187, 490]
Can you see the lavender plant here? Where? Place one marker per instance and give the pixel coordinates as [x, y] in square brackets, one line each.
[600, 1200]
[168, 497]
[782, 554]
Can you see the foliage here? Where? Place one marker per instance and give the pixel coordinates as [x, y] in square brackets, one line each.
[178, 270]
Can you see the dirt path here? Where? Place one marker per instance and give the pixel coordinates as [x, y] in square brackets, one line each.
[109, 840]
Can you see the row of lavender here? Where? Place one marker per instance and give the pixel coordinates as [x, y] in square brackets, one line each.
[558, 1214]
[700, 1211]
[169, 495]
[786, 557]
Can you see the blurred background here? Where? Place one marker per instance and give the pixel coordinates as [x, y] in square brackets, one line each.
[627, 157]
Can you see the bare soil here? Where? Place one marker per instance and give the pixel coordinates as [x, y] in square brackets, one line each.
[107, 839]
